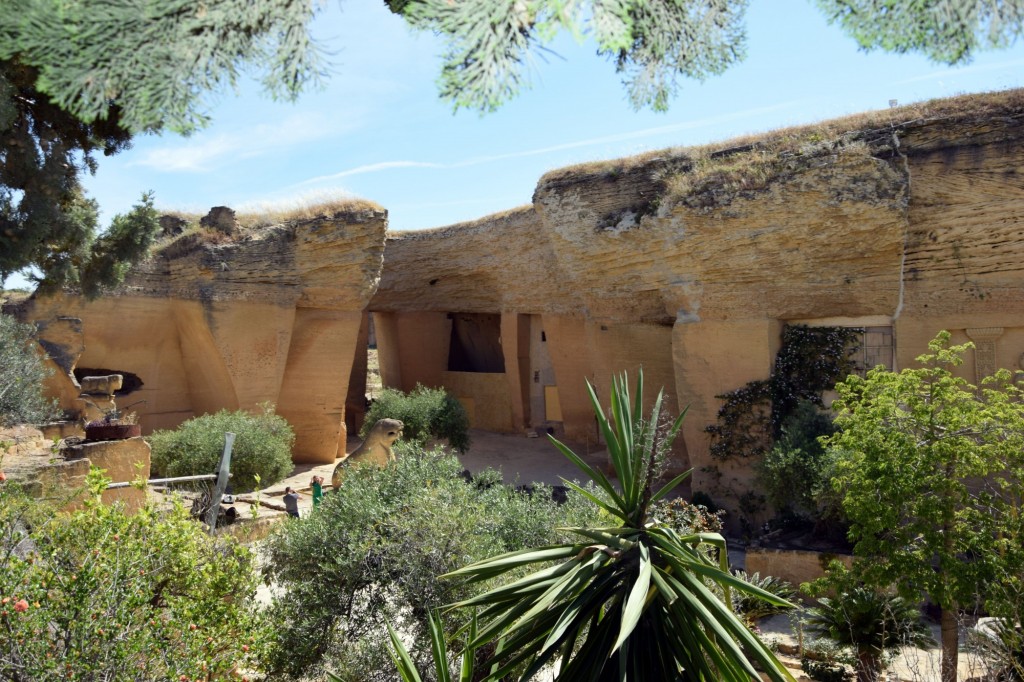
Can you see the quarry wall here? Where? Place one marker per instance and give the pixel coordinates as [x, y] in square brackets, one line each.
[274, 316]
[686, 262]
[689, 263]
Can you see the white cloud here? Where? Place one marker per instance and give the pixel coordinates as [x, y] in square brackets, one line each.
[205, 152]
[369, 168]
[479, 160]
[961, 71]
[631, 135]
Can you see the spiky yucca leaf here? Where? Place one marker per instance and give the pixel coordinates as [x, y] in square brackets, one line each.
[438, 650]
[628, 602]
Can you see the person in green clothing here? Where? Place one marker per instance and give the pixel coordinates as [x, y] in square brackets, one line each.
[317, 484]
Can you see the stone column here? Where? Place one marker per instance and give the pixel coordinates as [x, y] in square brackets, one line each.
[984, 339]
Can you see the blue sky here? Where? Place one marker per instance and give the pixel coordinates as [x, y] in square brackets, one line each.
[379, 131]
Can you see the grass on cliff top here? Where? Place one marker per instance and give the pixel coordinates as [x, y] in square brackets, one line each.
[255, 218]
[485, 222]
[751, 161]
[14, 296]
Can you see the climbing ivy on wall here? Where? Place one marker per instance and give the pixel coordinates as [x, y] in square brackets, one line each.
[744, 425]
[810, 361]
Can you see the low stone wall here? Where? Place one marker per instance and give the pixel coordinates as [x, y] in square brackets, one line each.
[28, 458]
[793, 565]
[31, 460]
[56, 431]
[123, 461]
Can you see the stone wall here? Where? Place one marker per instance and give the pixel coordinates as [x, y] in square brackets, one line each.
[32, 460]
[795, 566]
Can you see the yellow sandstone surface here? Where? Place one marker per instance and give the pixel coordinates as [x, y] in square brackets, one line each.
[273, 316]
[686, 262]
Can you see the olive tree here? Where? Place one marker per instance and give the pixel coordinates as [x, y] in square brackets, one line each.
[21, 376]
[930, 472]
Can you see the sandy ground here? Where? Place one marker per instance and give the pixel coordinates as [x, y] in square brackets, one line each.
[521, 460]
[910, 665]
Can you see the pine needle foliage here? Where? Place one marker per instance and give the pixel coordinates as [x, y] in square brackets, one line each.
[151, 65]
[82, 78]
[493, 43]
[46, 221]
[629, 601]
[655, 44]
[950, 32]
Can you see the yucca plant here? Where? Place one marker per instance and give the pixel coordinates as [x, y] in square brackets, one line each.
[438, 650]
[627, 602]
[750, 607]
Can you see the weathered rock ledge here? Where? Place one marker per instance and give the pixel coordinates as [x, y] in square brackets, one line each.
[213, 321]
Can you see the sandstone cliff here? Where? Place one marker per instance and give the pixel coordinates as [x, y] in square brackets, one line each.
[688, 262]
[211, 323]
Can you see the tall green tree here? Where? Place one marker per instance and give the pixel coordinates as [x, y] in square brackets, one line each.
[931, 472]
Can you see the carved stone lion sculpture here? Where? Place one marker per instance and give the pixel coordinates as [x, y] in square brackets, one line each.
[376, 449]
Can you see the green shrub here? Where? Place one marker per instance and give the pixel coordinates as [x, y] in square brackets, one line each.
[795, 473]
[822, 671]
[999, 639]
[22, 373]
[1000, 642]
[102, 595]
[825, 661]
[263, 447]
[688, 517]
[371, 553]
[425, 412]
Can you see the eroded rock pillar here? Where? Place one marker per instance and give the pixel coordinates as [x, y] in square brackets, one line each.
[315, 386]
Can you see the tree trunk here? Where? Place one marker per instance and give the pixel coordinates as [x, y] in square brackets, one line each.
[950, 643]
[868, 666]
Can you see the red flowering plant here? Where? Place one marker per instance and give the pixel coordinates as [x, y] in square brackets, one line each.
[100, 594]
